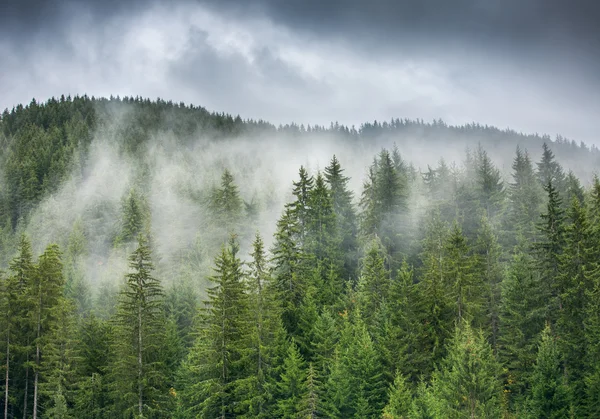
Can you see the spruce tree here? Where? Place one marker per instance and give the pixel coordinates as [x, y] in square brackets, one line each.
[374, 282]
[46, 298]
[257, 389]
[399, 400]
[292, 388]
[345, 214]
[573, 287]
[216, 361]
[525, 200]
[467, 383]
[226, 204]
[137, 370]
[550, 396]
[522, 317]
[549, 170]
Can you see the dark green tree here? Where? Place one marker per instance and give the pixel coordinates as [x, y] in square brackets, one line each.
[137, 370]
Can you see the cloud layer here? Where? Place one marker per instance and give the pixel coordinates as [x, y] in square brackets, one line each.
[530, 66]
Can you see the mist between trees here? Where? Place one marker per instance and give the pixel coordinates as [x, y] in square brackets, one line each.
[194, 264]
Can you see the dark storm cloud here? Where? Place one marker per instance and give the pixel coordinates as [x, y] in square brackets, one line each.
[516, 23]
[531, 65]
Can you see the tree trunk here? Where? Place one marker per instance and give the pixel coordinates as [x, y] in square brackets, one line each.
[37, 358]
[35, 382]
[7, 374]
[26, 387]
[140, 372]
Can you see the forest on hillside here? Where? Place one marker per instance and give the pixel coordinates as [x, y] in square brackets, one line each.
[162, 261]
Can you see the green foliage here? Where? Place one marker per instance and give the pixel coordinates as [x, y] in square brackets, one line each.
[137, 376]
[467, 384]
[550, 396]
[332, 323]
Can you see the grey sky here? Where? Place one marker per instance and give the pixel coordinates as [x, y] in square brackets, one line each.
[531, 65]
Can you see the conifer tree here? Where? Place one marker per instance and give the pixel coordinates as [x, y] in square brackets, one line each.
[226, 203]
[592, 309]
[216, 361]
[550, 247]
[137, 371]
[489, 269]
[408, 337]
[522, 316]
[292, 387]
[525, 199]
[19, 332]
[550, 396]
[549, 170]
[489, 185]
[434, 292]
[263, 310]
[467, 384]
[310, 405]
[301, 206]
[45, 293]
[374, 282]
[345, 214]
[399, 400]
[465, 287]
[573, 288]
[289, 269]
[338, 390]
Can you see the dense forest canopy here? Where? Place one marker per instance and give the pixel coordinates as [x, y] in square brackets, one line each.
[195, 264]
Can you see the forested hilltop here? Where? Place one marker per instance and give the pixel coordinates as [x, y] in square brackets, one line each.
[194, 264]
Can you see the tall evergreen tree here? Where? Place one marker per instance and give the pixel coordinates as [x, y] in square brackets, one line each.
[467, 384]
[46, 295]
[137, 370]
[345, 214]
[216, 361]
[549, 170]
[550, 396]
[226, 204]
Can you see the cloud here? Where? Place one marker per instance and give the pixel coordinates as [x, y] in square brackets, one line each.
[505, 64]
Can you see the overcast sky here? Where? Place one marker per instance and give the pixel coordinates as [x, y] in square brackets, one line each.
[532, 65]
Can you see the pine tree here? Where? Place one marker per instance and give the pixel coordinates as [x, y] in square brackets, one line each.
[134, 217]
[434, 292]
[592, 308]
[525, 200]
[338, 390]
[489, 269]
[310, 405]
[256, 391]
[489, 185]
[292, 387]
[549, 170]
[92, 398]
[345, 214]
[467, 384]
[226, 204]
[137, 371]
[46, 297]
[289, 269]
[408, 333]
[374, 282]
[550, 396]
[60, 365]
[550, 248]
[301, 207]
[466, 289]
[399, 400]
[573, 288]
[216, 361]
[19, 332]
